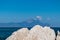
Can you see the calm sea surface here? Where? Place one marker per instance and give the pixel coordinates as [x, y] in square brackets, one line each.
[7, 31]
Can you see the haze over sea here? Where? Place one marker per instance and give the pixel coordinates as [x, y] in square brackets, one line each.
[20, 10]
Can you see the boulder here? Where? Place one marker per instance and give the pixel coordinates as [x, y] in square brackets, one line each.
[19, 34]
[41, 33]
[58, 36]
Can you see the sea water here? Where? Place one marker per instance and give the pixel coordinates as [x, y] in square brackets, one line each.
[7, 31]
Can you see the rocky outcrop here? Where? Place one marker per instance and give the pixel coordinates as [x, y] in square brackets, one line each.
[19, 34]
[40, 33]
[36, 33]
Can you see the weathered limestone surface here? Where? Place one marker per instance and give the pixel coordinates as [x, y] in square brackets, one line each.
[36, 33]
[19, 34]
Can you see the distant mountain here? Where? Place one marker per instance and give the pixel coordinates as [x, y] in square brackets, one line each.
[28, 23]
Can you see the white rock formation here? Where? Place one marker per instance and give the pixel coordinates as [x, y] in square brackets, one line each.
[50, 34]
[19, 34]
[40, 33]
[36, 33]
[58, 36]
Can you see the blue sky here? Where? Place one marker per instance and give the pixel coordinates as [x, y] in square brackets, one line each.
[18, 10]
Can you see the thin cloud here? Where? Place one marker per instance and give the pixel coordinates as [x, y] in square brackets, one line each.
[39, 17]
